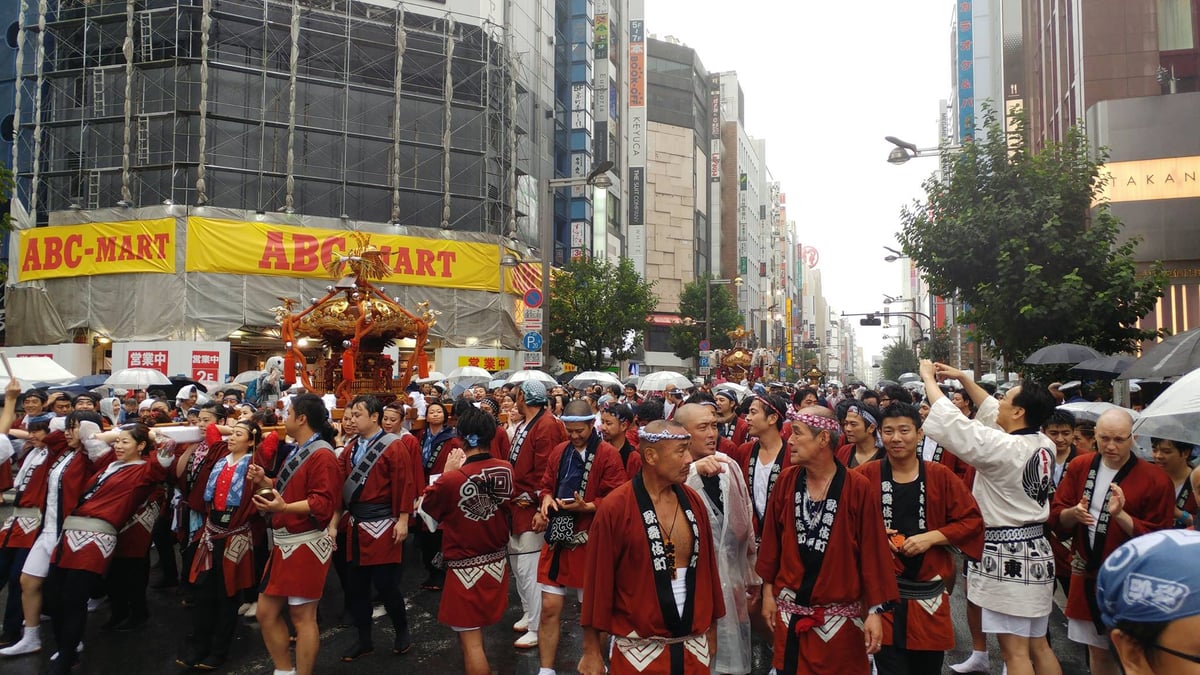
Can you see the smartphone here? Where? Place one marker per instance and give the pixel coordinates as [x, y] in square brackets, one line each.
[568, 500]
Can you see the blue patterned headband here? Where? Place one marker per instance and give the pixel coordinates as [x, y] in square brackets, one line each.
[866, 416]
[578, 418]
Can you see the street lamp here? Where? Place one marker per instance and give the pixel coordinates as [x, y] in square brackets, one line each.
[905, 151]
[597, 177]
[895, 255]
[736, 281]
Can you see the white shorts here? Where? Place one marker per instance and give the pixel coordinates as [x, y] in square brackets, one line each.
[1007, 624]
[38, 562]
[460, 629]
[1084, 632]
[561, 590]
[297, 601]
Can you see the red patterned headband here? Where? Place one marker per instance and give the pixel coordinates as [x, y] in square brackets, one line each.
[815, 421]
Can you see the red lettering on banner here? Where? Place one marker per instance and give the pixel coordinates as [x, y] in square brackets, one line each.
[53, 253]
[155, 359]
[206, 366]
[274, 255]
[425, 262]
[446, 257]
[306, 247]
[126, 248]
[327, 249]
[403, 262]
[33, 261]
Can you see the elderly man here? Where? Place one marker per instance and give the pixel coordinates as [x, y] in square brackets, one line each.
[1013, 583]
[1104, 500]
[824, 559]
[652, 580]
[717, 478]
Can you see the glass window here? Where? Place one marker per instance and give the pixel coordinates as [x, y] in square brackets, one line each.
[1175, 28]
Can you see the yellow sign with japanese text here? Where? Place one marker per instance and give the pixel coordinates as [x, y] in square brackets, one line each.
[90, 249]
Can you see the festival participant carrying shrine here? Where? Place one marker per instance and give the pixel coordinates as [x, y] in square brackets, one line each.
[301, 501]
[652, 580]
[471, 501]
[378, 495]
[89, 534]
[926, 511]
[824, 560]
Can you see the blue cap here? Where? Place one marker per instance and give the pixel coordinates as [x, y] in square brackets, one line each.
[1153, 578]
[535, 392]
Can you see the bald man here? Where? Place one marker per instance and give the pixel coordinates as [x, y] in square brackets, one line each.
[717, 478]
[652, 579]
[1105, 499]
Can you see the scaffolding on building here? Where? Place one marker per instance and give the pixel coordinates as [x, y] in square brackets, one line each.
[330, 108]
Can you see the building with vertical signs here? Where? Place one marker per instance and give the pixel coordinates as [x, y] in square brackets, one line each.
[1130, 71]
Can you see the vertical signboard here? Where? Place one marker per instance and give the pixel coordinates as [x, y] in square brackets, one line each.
[966, 72]
[637, 135]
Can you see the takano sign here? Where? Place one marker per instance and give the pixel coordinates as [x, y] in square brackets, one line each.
[1151, 179]
[246, 248]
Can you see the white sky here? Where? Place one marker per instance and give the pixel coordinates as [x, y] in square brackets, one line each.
[824, 83]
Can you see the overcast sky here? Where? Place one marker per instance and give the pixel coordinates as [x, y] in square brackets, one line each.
[824, 83]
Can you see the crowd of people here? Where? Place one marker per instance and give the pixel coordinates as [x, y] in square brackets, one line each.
[831, 524]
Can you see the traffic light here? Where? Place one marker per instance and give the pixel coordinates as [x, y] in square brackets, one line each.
[871, 320]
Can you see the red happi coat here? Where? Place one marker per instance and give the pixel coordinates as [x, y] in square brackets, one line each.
[193, 484]
[949, 508]
[741, 431]
[622, 594]
[441, 451]
[302, 573]
[390, 482]
[501, 445]
[237, 559]
[847, 451]
[857, 568]
[530, 467]
[115, 502]
[133, 538]
[633, 462]
[1149, 500]
[475, 530]
[607, 474]
[21, 533]
[72, 482]
[744, 456]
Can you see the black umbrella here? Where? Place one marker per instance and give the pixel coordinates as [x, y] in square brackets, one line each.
[1176, 355]
[1061, 353]
[179, 382]
[1101, 367]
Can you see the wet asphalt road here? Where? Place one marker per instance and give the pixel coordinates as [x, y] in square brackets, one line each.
[152, 651]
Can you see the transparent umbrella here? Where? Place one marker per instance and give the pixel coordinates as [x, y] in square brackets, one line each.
[1175, 414]
[664, 380]
[138, 378]
[30, 369]
[522, 375]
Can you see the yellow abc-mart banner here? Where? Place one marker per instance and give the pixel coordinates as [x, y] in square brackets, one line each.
[241, 247]
[96, 248]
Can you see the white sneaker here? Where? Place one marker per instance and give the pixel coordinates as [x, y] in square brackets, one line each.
[527, 641]
[30, 643]
[95, 604]
[78, 650]
[242, 609]
[378, 611]
[522, 625]
[251, 610]
[976, 663]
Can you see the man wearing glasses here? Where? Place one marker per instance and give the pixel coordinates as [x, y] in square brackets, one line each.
[1105, 499]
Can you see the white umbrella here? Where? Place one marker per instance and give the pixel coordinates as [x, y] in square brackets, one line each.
[468, 375]
[1090, 411]
[137, 378]
[664, 380]
[741, 390]
[434, 376]
[247, 376]
[589, 377]
[1175, 414]
[522, 375]
[30, 369]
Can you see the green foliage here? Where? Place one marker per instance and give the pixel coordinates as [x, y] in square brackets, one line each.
[938, 347]
[1013, 233]
[898, 358]
[685, 340]
[7, 183]
[598, 312]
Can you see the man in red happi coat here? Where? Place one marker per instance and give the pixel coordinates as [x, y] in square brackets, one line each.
[926, 511]
[652, 580]
[1105, 499]
[824, 559]
[535, 438]
[378, 495]
[302, 502]
[578, 476]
